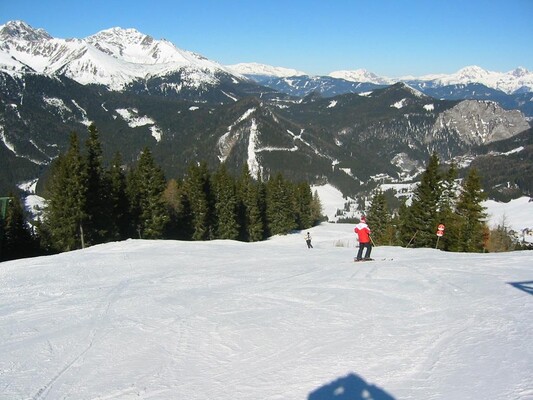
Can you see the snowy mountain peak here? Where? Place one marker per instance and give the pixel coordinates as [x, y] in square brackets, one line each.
[360, 75]
[133, 46]
[19, 30]
[508, 82]
[263, 70]
[472, 72]
[120, 37]
[520, 72]
[114, 57]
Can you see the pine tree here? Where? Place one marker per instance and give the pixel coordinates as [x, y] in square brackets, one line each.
[118, 200]
[199, 198]
[226, 204]
[98, 224]
[279, 209]
[421, 218]
[379, 220]
[18, 240]
[171, 198]
[472, 231]
[185, 215]
[250, 211]
[316, 209]
[146, 187]
[405, 235]
[448, 197]
[67, 192]
[447, 215]
[133, 193]
[303, 199]
[243, 184]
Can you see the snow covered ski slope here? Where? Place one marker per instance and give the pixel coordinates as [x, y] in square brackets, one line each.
[272, 320]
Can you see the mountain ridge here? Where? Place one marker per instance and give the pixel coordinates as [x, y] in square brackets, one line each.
[145, 50]
[115, 57]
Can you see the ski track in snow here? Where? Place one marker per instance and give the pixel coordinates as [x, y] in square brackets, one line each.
[270, 320]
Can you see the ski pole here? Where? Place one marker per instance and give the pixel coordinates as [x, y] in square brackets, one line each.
[412, 238]
[372, 240]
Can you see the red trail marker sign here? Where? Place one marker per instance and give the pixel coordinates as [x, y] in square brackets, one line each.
[440, 232]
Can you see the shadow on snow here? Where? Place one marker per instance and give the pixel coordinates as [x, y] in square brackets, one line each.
[349, 387]
[525, 286]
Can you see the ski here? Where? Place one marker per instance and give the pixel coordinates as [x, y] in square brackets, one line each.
[373, 259]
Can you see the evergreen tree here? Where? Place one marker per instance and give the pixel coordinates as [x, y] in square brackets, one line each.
[393, 231]
[171, 198]
[421, 218]
[118, 200]
[18, 240]
[405, 236]
[199, 198]
[379, 219]
[226, 204]
[303, 199]
[178, 209]
[261, 187]
[279, 209]
[472, 228]
[67, 192]
[452, 233]
[447, 215]
[98, 224]
[448, 197]
[185, 215]
[146, 187]
[133, 194]
[251, 216]
[316, 209]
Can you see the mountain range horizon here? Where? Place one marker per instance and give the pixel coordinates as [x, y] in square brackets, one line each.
[165, 53]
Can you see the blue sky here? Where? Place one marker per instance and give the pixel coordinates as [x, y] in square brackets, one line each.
[388, 37]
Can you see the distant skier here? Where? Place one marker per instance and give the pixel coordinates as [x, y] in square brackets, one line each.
[308, 240]
[363, 232]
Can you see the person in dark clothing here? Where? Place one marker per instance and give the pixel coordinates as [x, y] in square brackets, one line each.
[308, 240]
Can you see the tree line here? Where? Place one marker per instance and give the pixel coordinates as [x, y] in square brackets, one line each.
[89, 203]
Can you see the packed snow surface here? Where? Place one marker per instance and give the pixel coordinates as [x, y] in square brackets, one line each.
[143, 319]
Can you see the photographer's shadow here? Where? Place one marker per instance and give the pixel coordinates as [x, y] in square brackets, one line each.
[350, 387]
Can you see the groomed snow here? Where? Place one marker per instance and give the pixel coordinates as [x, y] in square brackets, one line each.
[273, 320]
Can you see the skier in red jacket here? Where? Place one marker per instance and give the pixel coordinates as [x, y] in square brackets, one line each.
[363, 232]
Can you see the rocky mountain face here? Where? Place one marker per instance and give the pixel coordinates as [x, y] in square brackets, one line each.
[148, 93]
[480, 122]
